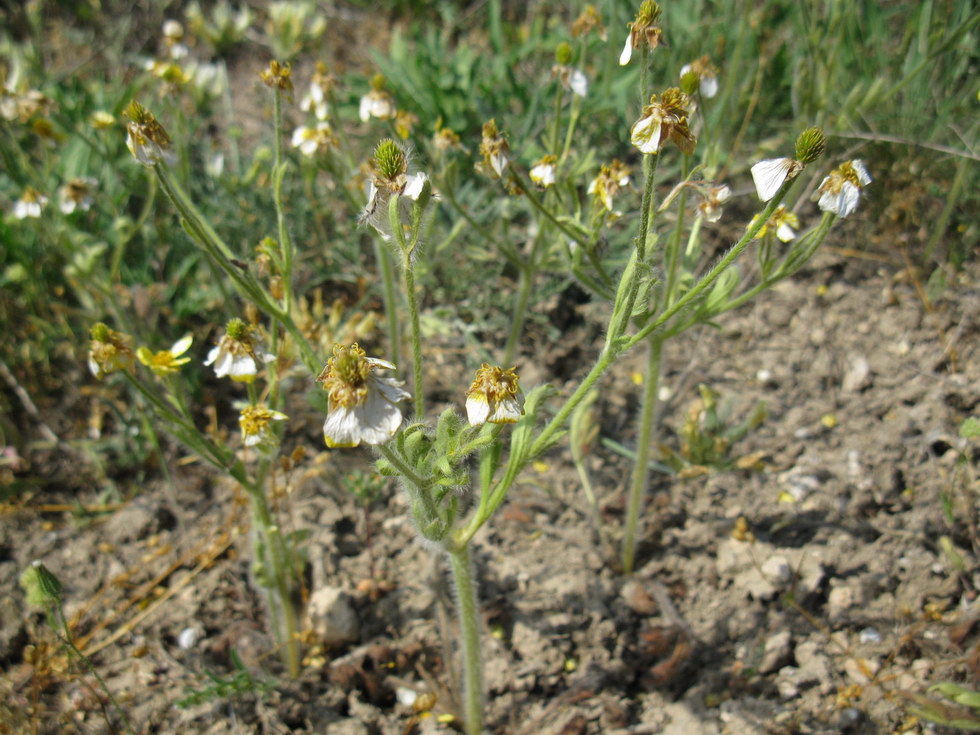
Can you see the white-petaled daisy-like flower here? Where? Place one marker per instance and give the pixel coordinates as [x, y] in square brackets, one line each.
[707, 76]
[378, 102]
[494, 396]
[30, 204]
[166, 362]
[712, 206]
[543, 172]
[771, 173]
[256, 425]
[173, 36]
[109, 351]
[315, 99]
[390, 177]
[146, 138]
[312, 140]
[840, 191]
[77, 195]
[238, 355]
[782, 221]
[643, 31]
[610, 179]
[494, 149]
[665, 118]
[362, 405]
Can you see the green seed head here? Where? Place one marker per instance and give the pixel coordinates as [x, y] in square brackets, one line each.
[810, 145]
[390, 160]
[563, 54]
[237, 330]
[100, 332]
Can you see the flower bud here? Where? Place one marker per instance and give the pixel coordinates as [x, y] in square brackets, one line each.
[41, 586]
[563, 54]
[810, 145]
[390, 160]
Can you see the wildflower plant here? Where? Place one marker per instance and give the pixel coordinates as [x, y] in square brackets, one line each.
[596, 222]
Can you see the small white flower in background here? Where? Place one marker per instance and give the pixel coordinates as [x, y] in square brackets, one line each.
[707, 76]
[315, 99]
[712, 206]
[311, 140]
[237, 354]
[840, 191]
[30, 204]
[571, 79]
[256, 425]
[494, 149]
[610, 179]
[109, 351]
[390, 177]
[770, 174]
[146, 138]
[494, 396]
[782, 221]
[643, 32]
[378, 102]
[173, 35]
[543, 172]
[77, 195]
[362, 405]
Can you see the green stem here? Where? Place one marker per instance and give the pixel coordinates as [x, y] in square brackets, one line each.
[459, 560]
[413, 312]
[285, 242]
[520, 312]
[709, 278]
[407, 472]
[641, 466]
[383, 257]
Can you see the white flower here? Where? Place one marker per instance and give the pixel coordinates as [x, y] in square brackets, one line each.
[376, 103]
[494, 149]
[146, 138]
[362, 405]
[494, 396]
[770, 174]
[840, 191]
[707, 76]
[714, 201]
[311, 140]
[608, 182]
[237, 355]
[315, 100]
[30, 204]
[627, 53]
[782, 221]
[543, 172]
[645, 134]
[255, 423]
[76, 195]
[579, 83]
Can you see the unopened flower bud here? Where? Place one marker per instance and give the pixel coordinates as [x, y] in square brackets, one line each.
[42, 588]
[690, 82]
[810, 145]
[563, 54]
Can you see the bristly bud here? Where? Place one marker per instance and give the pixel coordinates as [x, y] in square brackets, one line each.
[100, 332]
[378, 82]
[563, 54]
[690, 82]
[278, 75]
[649, 12]
[237, 329]
[390, 160]
[42, 588]
[810, 145]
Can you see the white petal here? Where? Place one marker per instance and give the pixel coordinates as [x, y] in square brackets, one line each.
[181, 345]
[224, 364]
[684, 70]
[579, 83]
[378, 418]
[508, 411]
[243, 367]
[769, 175]
[477, 409]
[709, 87]
[723, 194]
[364, 110]
[849, 196]
[785, 233]
[213, 355]
[309, 147]
[861, 171]
[390, 389]
[646, 134]
[299, 135]
[413, 188]
[94, 368]
[68, 205]
[624, 58]
[379, 363]
[341, 428]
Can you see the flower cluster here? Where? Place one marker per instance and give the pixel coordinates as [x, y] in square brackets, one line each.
[30, 204]
[278, 76]
[544, 171]
[390, 177]
[256, 425]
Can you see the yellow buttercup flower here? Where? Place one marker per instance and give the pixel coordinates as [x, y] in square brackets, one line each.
[166, 362]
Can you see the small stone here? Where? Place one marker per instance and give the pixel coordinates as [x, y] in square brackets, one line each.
[838, 601]
[861, 670]
[858, 376]
[333, 617]
[869, 635]
[638, 599]
[777, 571]
[188, 638]
[777, 652]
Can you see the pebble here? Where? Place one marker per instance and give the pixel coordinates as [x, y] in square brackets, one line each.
[858, 376]
[188, 638]
[333, 617]
[861, 670]
[869, 635]
[777, 652]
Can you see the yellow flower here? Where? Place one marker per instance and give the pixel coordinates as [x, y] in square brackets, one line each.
[109, 351]
[494, 396]
[166, 362]
[255, 422]
[362, 405]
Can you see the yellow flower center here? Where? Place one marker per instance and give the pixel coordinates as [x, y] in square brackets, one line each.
[254, 420]
[495, 383]
[345, 378]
